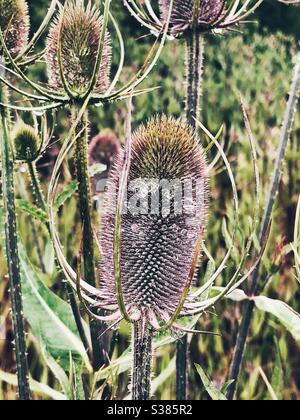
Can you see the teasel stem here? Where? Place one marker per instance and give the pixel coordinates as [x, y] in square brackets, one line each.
[142, 362]
[12, 253]
[194, 64]
[36, 186]
[255, 287]
[85, 206]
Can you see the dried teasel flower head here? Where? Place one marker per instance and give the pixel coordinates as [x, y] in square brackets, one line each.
[200, 15]
[104, 147]
[72, 49]
[163, 222]
[14, 24]
[26, 142]
[182, 16]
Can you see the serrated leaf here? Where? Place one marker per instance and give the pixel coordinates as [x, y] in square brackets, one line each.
[32, 210]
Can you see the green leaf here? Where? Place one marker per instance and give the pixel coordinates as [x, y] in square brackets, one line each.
[34, 211]
[75, 381]
[65, 195]
[237, 295]
[277, 380]
[213, 392]
[50, 318]
[283, 312]
[226, 386]
[268, 385]
[58, 372]
[36, 387]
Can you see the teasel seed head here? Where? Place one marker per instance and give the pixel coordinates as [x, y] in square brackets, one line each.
[183, 13]
[157, 245]
[76, 32]
[104, 147]
[26, 141]
[14, 24]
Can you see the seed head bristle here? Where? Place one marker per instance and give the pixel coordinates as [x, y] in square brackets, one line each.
[79, 27]
[26, 142]
[157, 245]
[14, 24]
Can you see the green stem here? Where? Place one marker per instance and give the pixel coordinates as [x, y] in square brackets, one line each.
[36, 186]
[194, 65]
[142, 363]
[85, 206]
[12, 253]
[255, 288]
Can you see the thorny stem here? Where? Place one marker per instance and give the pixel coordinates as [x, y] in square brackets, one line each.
[255, 288]
[12, 254]
[38, 195]
[88, 254]
[194, 65]
[142, 362]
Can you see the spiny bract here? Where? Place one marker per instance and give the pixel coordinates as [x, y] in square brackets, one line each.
[14, 24]
[183, 13]
[26, 142]
[158, 245]
[76, 34]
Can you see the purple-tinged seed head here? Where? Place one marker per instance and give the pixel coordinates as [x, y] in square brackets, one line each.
[104, 147]
[14, 24]
[79, 28]
[183, 13]
[166, 208]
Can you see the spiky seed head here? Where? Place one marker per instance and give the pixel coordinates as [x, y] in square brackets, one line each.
[77, 32]
[183, 13]
[14, 24]
[159, 237]
[104, 147]
[26, 142]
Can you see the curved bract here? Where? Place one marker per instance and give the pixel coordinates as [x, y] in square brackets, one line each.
[78, 58]
[75, 36]
[163, 218]
[14, 24]
[183, 14]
